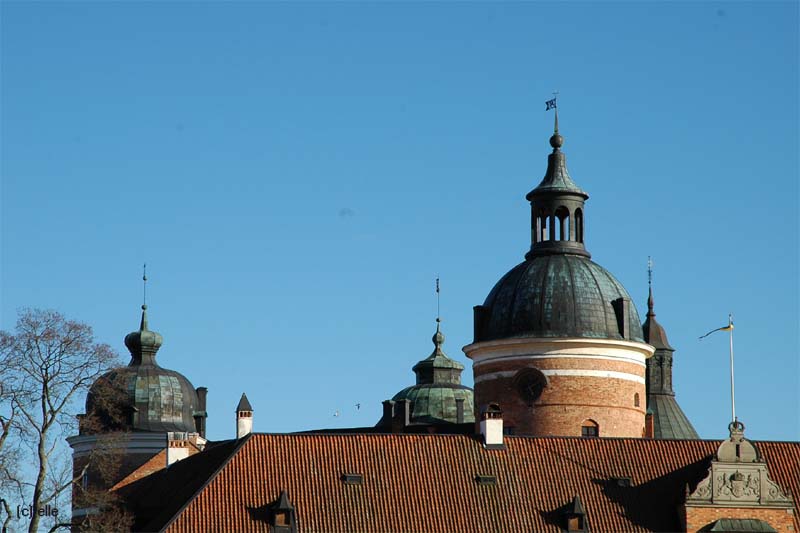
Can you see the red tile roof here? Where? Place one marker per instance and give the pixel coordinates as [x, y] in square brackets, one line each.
[427, 483]
[155, 463]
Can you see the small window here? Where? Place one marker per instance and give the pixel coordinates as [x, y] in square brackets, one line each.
[636, 400]
[282, 518]
[575, 523]
[589, 428]
[352, 479]
[622, 481]
[481, 479]
[509, 430]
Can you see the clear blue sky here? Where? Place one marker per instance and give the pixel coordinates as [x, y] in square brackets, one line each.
[296, 175]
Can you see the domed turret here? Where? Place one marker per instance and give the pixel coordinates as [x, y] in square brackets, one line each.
[142, 396]
[438, 390]
[558, 343]
[558, 295]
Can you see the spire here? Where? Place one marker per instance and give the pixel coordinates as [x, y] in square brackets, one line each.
[437, 367]
[556, 141]
[654, 333]
[557, 205]
[669, 420]
[143, 323]
[143, 344]
[650, 312]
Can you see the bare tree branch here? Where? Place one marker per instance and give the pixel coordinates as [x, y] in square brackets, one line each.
[47, 364]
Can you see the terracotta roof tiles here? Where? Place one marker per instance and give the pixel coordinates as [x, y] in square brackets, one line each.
[427, 483]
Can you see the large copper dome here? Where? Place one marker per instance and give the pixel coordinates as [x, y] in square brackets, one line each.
[558, 296]
[142, 396]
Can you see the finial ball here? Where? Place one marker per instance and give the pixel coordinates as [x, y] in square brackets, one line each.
[144, 307]
[556, 141]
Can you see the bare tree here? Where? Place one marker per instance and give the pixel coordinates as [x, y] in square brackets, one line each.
[45, 366]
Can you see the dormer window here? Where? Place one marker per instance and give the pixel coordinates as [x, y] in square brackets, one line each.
[281, 518]
[282, 515]
[575, 516]
[575, 523]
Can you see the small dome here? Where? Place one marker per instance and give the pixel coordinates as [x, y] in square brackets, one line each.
[435, 403]
[558, 296]
[142, 396]
[434, 397]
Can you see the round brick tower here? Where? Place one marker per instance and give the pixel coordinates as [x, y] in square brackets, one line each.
[558, 342]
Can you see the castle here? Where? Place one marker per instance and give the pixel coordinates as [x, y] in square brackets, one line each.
[572, 425]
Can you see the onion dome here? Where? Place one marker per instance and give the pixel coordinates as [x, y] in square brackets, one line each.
[438, 388]
[142, 396]
[557, 291]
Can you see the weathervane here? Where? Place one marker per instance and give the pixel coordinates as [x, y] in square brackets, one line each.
[649, 271]
[438, 310]
[144, 286]
[552, 104]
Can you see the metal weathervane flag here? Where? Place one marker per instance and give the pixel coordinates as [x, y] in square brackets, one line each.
[551, 104]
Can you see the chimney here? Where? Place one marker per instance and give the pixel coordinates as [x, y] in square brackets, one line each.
[492, 427]
[388, 414]
[649, 425]
[622, 310]
[244, 417]
[177, 446]
[478, 315]
[402, 415]
[459, 410]
[200, 415]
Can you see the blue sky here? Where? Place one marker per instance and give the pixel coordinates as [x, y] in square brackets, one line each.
[297, 175]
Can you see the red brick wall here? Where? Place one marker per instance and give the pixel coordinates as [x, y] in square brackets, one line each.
[567, 400]
[783, 520]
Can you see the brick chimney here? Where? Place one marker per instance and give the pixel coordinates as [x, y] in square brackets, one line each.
[177, 446]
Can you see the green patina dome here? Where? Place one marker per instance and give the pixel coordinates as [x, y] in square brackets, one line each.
[436, 403]
[558, 295]
[435, 396]
[143, 396]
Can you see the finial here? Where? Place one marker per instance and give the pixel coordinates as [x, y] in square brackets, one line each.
[144, 286]
[650, 286]
[438, 314]
[556, 141]
[143, 324]
[438, 337]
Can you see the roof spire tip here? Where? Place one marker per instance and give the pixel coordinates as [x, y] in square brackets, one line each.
[650, 286]
[556, 141]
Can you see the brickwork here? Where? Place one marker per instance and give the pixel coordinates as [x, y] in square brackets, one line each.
[782, 520]
[567, 400]
[562, 362]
